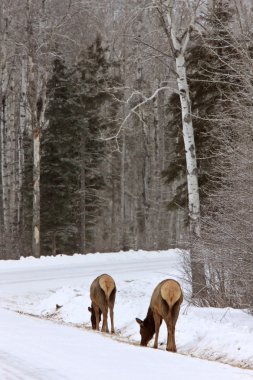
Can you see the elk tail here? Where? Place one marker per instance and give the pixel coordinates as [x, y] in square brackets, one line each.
[171, 292]
[107, 284]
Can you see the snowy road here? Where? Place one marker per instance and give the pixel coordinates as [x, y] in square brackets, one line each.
[33, 349]
[22, 280]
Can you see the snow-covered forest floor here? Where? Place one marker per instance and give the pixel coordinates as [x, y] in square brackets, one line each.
[35, 287]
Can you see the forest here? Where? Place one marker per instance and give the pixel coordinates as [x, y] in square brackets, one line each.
[128, 125]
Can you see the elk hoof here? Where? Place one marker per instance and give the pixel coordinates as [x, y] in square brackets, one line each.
[171, 349]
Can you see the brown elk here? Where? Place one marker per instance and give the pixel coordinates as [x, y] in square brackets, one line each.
[102, 295]
[165, 304]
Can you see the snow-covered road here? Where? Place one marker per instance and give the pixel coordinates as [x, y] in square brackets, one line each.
[32, 349]
[21, 279]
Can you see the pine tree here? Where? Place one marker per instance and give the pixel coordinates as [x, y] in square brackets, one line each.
[73, 180]
[60, 168]
[97, 111]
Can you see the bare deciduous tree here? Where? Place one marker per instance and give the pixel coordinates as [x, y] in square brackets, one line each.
[178, 19]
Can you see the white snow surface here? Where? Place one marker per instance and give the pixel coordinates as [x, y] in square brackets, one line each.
[59, 344]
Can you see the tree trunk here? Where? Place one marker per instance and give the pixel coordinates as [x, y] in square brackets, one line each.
[83, 194]
[189, 143]
[122, 194]
[156, 171]
[37, 102]
[36, 193]
[37, 85]
[12, 166]
[197, 264]
[3, 117]
[22, 126]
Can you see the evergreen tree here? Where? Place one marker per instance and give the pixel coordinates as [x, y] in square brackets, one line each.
[60, 168]
[97, 112]
[73, 152]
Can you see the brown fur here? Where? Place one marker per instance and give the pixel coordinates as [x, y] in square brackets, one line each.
[164, 305]
[102, 295]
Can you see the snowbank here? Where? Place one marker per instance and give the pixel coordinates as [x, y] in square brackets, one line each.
[224, 335]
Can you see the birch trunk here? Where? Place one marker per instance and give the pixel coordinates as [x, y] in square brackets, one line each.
[197, 265]
[189, 143]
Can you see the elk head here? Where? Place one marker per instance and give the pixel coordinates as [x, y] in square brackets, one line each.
[93, 316]
[147, 330]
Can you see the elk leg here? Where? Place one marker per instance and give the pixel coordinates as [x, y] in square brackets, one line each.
[171, 346]
[105, 323]
[96, 309]
[112, 320]
[111, 306]
[158, 321]
[173, 316]
[169, 331]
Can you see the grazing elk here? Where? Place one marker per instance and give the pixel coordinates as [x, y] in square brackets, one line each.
[165, 304]
[102, 295]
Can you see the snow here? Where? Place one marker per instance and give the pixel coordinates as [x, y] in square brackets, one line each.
[59, 344]
[53, 352]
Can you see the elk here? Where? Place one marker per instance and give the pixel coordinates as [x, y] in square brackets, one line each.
[102, 295]
[164, 305]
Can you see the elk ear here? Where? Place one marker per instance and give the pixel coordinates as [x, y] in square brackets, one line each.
[90, 309]
[139, 321]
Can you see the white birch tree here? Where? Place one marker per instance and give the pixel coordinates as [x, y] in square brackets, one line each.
[178, 19]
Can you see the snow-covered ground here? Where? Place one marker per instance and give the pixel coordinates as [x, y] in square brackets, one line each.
[33, 348]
